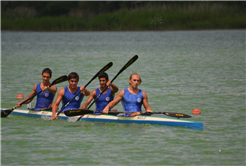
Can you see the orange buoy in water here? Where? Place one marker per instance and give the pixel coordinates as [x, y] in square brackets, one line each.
[196, 112]
[20, 96]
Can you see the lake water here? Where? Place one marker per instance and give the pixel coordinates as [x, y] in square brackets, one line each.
[181, 71]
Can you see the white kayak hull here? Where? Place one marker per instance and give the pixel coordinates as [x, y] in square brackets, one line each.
[159, 120]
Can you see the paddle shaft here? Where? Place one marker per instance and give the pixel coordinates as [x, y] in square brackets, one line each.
[95, 76]
[76, 112]
[131, 61]
[172, 114]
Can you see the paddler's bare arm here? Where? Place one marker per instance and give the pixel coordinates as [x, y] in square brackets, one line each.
[89, 99]
[114, 88]
[52, 89]
[31, 94]
[145, 103]
[59, 97]
[84, 91]
[114, 102]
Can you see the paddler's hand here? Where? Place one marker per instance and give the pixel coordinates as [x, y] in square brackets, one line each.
[18, 105]
[43, 108]
[53, 117]
[82, 89]
[135, 114]
[105, 110]
[108, 83]
[149, 111]
[45, 88]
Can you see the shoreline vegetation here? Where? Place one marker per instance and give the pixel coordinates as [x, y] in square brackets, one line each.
[142, 16]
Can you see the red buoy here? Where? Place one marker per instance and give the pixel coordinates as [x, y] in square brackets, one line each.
[20, 96]
[196, 112]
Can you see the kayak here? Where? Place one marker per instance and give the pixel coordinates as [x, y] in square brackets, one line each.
[141, 119]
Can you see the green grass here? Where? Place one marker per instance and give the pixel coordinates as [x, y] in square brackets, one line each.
[191, 17]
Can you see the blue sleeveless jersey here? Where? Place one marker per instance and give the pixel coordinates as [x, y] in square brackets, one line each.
[103, 100]
[75, 104]
[44, 99]
[131, 102]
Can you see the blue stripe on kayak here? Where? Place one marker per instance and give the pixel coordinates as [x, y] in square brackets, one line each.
[190, 124]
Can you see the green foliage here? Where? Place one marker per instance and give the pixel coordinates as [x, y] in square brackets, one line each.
[117, 15]
[61, 8]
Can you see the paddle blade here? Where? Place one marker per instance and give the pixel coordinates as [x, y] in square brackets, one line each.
[5, 113]
[76, 112]
[176, 115]
[106, 67]
[131, 61]
[59, 80]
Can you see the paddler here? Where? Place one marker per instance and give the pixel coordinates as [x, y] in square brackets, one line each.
[132, 98]
[44, 99]
[67, 93]
[105, 97]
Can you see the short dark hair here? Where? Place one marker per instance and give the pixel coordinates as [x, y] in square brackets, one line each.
[73, 75]
[47, 70]
[103, 74]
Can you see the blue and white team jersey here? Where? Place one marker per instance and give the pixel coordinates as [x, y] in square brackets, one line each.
[44, 99]
[103, 100]
[75, 104]
[132, 102]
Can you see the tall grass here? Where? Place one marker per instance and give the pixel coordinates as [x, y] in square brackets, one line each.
[166, 17]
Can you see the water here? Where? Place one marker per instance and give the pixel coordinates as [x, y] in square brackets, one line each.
[181, 71]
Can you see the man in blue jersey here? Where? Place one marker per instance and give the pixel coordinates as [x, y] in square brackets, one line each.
[106, 97]
[44, 99]
[67, 93]
[132, 98]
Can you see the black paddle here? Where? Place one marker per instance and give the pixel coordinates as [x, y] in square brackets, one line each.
[131, 61]
[5, 113]
[76, 112]
[95, 76]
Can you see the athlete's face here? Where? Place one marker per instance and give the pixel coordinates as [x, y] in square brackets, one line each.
[135, 81]
[102, 82]
[46, 77]
[73, 82]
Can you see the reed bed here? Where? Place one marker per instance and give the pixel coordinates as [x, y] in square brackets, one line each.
[164, 17]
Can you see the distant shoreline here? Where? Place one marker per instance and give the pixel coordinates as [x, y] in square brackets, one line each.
[241, 29]
[199, 16]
